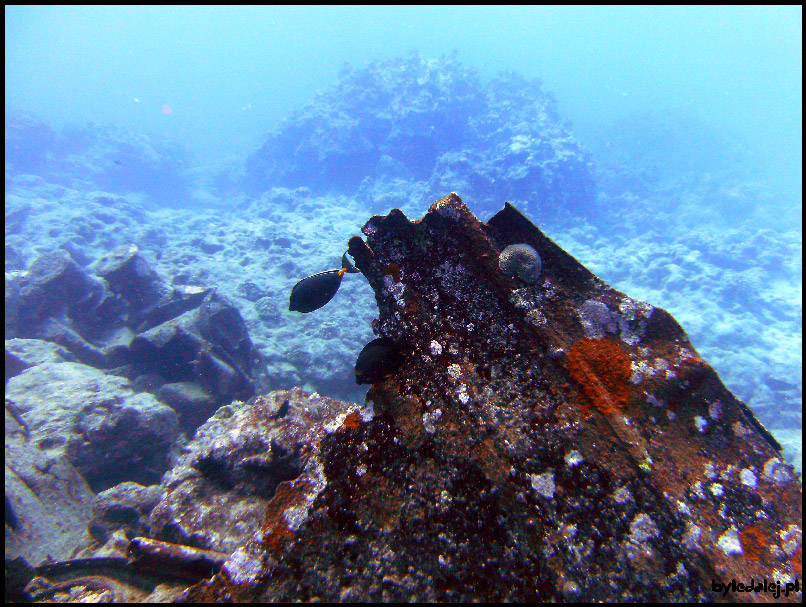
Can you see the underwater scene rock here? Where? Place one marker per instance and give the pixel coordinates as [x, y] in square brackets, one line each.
[540, 437]
[393, 130]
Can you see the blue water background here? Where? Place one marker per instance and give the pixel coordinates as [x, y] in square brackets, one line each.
[725, 84]
[230, 74]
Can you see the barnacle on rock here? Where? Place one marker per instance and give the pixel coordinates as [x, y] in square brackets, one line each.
[521, 260]
[596, 319]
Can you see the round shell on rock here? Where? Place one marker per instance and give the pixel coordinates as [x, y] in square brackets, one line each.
[521, 260]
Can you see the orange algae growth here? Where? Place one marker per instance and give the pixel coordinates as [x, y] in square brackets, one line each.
[353, 420]
[276, 531]
[602, 370]
[753, 542]
[277, 538]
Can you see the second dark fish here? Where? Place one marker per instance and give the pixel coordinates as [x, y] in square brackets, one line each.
[379, 358]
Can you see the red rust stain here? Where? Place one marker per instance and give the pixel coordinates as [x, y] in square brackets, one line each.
[392, 270]
[694, 370]
[753, 542]
[352, 421]
[412, 305]
[602, 370]
[797, 563]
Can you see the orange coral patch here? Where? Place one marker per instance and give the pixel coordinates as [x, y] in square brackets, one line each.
[276, 531]
[753, 542]
[353, 420]
[602, 370]
[277, 538]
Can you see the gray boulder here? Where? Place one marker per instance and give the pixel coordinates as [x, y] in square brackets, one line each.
[47, 500]
[124, 507]
[103, 428]
[24, 353]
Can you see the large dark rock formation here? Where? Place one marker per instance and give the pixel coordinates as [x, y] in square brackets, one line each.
[550, 440]
[396, 130]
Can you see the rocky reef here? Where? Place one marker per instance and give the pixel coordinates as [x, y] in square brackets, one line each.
[104, 368]
[548, 440]
[99, 158]
[398, 131]
[187, 344]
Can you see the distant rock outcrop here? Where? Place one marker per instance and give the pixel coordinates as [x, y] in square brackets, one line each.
[104, 157]
[529, 447]
[398, 130]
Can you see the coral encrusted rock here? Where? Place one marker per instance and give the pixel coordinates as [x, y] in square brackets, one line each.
[522, 261]
[514, 455]
[389, 130]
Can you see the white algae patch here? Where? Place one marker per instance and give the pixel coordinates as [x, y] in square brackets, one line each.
[574, 458]
[643, 528]
[543, 484]
[596, 319]
[748, 478]
[430, 418]
[729, 542]
[243, 567]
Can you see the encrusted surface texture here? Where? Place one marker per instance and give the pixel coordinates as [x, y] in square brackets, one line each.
[546, 440]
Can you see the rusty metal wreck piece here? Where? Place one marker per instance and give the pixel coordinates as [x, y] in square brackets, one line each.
[184, 562]
[148, 564]
[543, 440]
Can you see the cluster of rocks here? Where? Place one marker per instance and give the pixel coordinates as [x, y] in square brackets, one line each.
[407, 129]
[104, 369]
[187, 344]
[253, 255]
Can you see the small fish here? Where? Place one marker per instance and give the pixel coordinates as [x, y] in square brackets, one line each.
[315, 291]
[377, 359]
